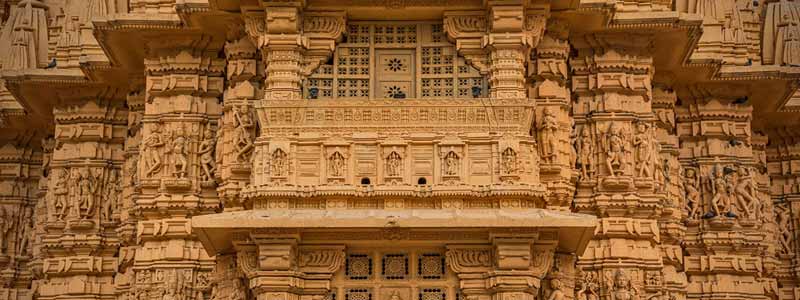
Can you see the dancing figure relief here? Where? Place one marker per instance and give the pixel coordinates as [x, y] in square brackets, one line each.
[151, 151]
[243, 124]
[207, 160]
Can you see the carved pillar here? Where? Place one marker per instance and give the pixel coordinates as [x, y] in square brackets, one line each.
[725, 236]
[513, 32]
[126, 212]
[238, 124]
[278, 34]
[512, 267]
[670, 221]
[548, 70]
[267, 258]
[41, 214]
[292, 43]
[20, 162]
[622, 179]
[781, 159]
[181, 114]
[499, 44]
[80, 244]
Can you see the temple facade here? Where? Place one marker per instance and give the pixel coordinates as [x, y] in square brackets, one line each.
[399, 149]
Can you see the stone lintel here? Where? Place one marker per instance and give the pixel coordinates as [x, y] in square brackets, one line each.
[573, 230]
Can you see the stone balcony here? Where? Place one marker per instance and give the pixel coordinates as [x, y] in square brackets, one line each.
[462, 152]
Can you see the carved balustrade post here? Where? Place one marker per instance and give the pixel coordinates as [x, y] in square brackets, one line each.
[726, 235]
[180, 121]
[622, 179]
[80, 242]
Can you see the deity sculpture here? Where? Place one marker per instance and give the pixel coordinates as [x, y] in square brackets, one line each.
[746, 194]
[238, 290]
[720, 188]
[24, 233]
[785, 234]
[548, 130]
[61, 191]
[557, 293]
[132, 170]
[588, 289]
[336, 162]
[151, 156]
[622, 288]
[509, 161]
[584, 145]
[451, 164]
[179, 152]
[5, 228]
[87, 186]
[661, 168]
[393, 162]
[693, 197]
[242, 125]
[206, 152]
[615, 150]
[74, 192]
[395, 296]
[111, 195]
[644, 153]
[280, 163]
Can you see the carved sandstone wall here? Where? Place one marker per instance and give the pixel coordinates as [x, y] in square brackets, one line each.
[399, 149]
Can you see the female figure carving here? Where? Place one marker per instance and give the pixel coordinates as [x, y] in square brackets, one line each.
[206, 152]
[548, 128]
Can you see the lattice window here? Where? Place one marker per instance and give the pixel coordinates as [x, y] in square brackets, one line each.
[358, 34]
[431, 266]
[358, 294]
[359, 267]
[394, 266]
[398, 60]
[395, 34]
[437, 33]
[432, 294]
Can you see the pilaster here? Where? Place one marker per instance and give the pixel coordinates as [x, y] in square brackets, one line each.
[513, 266]
[235, 142]
[549, 73]
[726, 234]
[781, 157]
[124, 280]
[292, 43]
[622, 178]
[278, 266]
[21, 165]
[498, 42]
[80, 243]
[179, 124]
